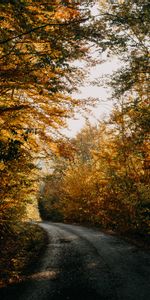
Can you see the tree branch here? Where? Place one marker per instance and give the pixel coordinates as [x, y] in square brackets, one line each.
[13, 108]
[40, 27]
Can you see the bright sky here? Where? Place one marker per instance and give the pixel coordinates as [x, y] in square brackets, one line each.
[103, 93]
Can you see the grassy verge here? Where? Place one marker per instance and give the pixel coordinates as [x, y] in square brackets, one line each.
[19, 250]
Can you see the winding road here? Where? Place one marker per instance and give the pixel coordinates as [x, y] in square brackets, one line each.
[85, 264]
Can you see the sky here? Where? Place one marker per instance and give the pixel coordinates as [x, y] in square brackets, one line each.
[101, 92]
[87, 89]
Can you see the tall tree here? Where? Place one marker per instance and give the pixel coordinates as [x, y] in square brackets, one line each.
[37, 42]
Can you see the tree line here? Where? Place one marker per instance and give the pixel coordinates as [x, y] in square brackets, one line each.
[38, 40]
[105, 179]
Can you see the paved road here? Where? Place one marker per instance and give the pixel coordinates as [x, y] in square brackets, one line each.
[85, 264]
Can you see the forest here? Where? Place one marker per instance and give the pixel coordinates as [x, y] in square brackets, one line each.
[100, 176]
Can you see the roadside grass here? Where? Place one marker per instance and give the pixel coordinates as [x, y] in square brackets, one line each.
[20, 249]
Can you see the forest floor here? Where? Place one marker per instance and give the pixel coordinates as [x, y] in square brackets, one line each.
[21, 248]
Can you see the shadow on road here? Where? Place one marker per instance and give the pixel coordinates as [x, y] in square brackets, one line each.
[16, 292]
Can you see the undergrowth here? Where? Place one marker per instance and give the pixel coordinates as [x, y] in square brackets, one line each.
[19, 250]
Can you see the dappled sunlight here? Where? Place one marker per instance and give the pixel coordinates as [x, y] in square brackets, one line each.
[45, 275]
[92, 265]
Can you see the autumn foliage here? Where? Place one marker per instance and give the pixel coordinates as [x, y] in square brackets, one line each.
[38, 39]
[107, 180]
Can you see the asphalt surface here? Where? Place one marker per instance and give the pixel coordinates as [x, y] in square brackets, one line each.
[85, 264]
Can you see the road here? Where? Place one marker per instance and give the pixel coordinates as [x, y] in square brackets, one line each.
[85, 264]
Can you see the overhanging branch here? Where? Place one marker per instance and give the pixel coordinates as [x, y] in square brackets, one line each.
[40, 27]
[13, 108]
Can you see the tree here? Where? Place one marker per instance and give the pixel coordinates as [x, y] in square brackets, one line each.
[106, 187]
[37, 42]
